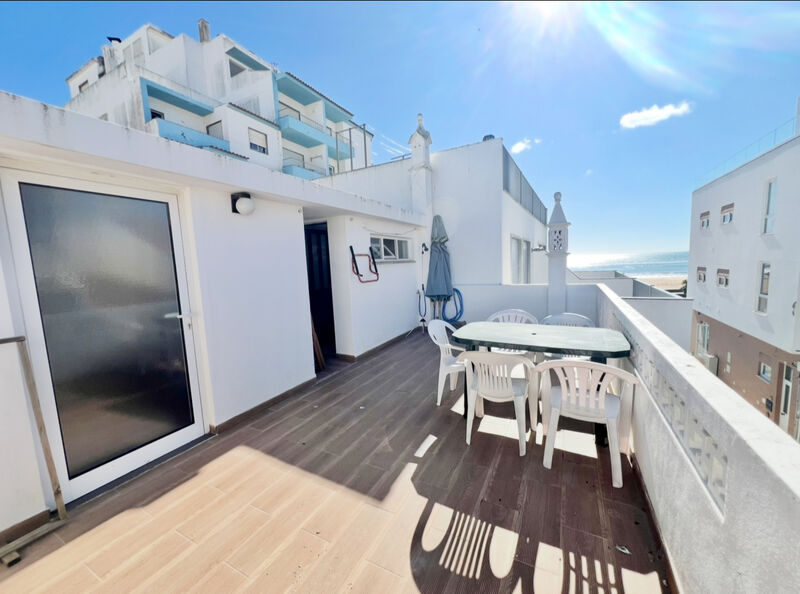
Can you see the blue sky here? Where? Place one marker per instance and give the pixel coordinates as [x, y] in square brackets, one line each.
[561, 76]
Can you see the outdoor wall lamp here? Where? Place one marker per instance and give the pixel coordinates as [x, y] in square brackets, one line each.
[242, 204]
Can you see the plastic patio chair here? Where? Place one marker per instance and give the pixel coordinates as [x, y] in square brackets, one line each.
[584, 393]
[568, 319]
[449, 365]
[489, 377]
[515, 316]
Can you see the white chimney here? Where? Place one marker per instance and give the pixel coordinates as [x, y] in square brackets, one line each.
[420, 170]
[203, 30]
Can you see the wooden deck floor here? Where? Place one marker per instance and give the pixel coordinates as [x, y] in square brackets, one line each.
[360, 483]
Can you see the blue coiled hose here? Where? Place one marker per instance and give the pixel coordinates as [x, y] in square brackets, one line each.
[458, 303]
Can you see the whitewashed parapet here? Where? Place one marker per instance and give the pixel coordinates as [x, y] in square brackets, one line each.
[678, 400]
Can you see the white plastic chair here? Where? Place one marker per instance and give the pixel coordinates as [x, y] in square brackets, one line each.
[584, 393]
[448, 364]
[514, 316]
[489, 377]
[568, 319]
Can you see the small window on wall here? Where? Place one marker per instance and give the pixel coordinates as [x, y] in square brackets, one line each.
[520, 260]
[769, 209]
[702, 337]
[765, 372]
[389, 248]
[235, 68]
[83, 86]
[763, 288]
[258, 141]
[215, 130]
[727, 214]
[156, 115]
[723, 277]
[704, 219]
[701, 274]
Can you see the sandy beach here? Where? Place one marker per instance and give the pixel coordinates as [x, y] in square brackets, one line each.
[663, 282]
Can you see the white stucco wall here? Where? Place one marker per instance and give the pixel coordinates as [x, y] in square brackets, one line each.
[741, 247]
[251, 273]
[24, 486]
[467, 184]
[368, 314]
[747, 545]
[673, 316]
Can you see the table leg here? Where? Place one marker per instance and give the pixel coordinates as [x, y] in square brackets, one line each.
[600, 430]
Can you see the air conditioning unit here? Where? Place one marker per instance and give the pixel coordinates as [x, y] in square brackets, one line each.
[711, 362]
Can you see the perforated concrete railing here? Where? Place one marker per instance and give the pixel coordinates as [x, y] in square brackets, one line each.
[681, 403]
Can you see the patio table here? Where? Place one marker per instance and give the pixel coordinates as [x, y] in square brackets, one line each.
[600, 344]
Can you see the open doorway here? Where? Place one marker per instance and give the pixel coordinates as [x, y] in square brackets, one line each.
[319, 290]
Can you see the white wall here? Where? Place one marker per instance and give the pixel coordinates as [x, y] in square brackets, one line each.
[235, 127]
[24, 486]
[673, 316]
[696, 442]
[368, 314]
[389, 182]
[467, 184]
[251, 272]
[481, 301]
[741, 247]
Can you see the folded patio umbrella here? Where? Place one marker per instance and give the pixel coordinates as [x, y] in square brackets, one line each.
[440, 283]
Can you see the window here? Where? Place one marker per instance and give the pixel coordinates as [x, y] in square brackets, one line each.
[769, 209]
[763, 289]
[765, 372]
[389, 248]
[704, 219]
[702, 337]
[727, 214]
[83, 86]
[723, 277]
[156, 115]
[520, 260]
[728, 363]
[235, 68]
[215, 130]
[701, 274]
[258, 141]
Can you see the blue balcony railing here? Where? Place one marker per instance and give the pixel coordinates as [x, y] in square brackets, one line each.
[173, 131]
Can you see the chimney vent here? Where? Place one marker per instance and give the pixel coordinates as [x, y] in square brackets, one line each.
[203, 30]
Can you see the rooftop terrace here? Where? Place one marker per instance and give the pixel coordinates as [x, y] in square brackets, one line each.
[360, 483]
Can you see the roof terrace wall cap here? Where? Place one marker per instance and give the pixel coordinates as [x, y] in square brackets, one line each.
[302, 82]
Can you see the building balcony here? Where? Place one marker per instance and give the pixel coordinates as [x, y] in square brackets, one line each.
[361, 482]
[297, 165]
[173, 131]
[306, 132]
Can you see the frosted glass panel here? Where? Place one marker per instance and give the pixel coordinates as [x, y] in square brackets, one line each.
[105, 276]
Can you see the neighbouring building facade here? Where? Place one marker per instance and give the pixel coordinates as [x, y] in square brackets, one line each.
[744, 276]
[216, 95]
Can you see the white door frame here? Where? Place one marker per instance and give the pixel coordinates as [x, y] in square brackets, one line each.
[114, 469]
[786, 398]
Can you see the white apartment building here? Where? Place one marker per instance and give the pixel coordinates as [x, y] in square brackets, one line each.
[744, 274]
[216, 95]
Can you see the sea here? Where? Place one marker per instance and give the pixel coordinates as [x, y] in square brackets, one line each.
[635, 265]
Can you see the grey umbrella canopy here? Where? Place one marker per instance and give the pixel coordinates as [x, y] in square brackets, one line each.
[440, 283]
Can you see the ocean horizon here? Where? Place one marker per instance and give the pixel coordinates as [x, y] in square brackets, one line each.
[634, 264]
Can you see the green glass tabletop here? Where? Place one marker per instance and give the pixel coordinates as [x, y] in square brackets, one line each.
[562, 340]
